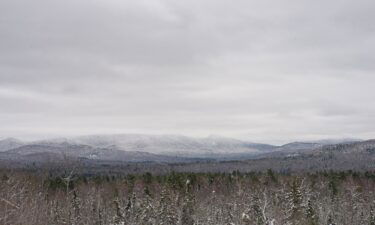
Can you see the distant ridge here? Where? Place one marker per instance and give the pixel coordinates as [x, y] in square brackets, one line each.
[9, 143]
[155, 148]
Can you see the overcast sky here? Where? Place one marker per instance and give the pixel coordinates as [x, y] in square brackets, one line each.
[268, 71]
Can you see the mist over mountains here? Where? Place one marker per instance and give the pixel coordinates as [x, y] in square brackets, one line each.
[138, 147]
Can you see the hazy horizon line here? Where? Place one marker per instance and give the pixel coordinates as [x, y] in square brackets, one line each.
[270, 142]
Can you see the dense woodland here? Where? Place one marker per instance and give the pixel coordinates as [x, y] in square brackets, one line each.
[253, 198]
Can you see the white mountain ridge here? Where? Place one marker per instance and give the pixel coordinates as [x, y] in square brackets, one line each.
[170, 145]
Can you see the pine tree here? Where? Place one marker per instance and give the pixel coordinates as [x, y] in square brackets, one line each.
[165, 214]
[187, 212]
[310, 214]
[76, 214]
[257, 211]
[294, 203]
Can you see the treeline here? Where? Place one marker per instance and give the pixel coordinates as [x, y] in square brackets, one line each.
[253, 198]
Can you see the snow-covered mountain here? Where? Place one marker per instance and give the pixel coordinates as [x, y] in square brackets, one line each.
[139, 147]
[174, 145]
[58, 151]
[10, 143]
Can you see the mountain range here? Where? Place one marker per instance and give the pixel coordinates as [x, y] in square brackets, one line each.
[153, 148]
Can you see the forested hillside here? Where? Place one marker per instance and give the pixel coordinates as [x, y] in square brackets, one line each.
[346, 198]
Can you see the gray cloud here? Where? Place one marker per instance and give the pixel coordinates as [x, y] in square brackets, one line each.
[268, 71]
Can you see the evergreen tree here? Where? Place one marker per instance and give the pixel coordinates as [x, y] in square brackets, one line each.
[165, 214]
[294, 203]
[257, 211]
[76, 213]
[310, 214]
[187, 212]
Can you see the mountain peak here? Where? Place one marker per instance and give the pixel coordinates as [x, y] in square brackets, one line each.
[9, 143]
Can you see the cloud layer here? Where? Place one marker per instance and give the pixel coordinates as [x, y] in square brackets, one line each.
[269, 71]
